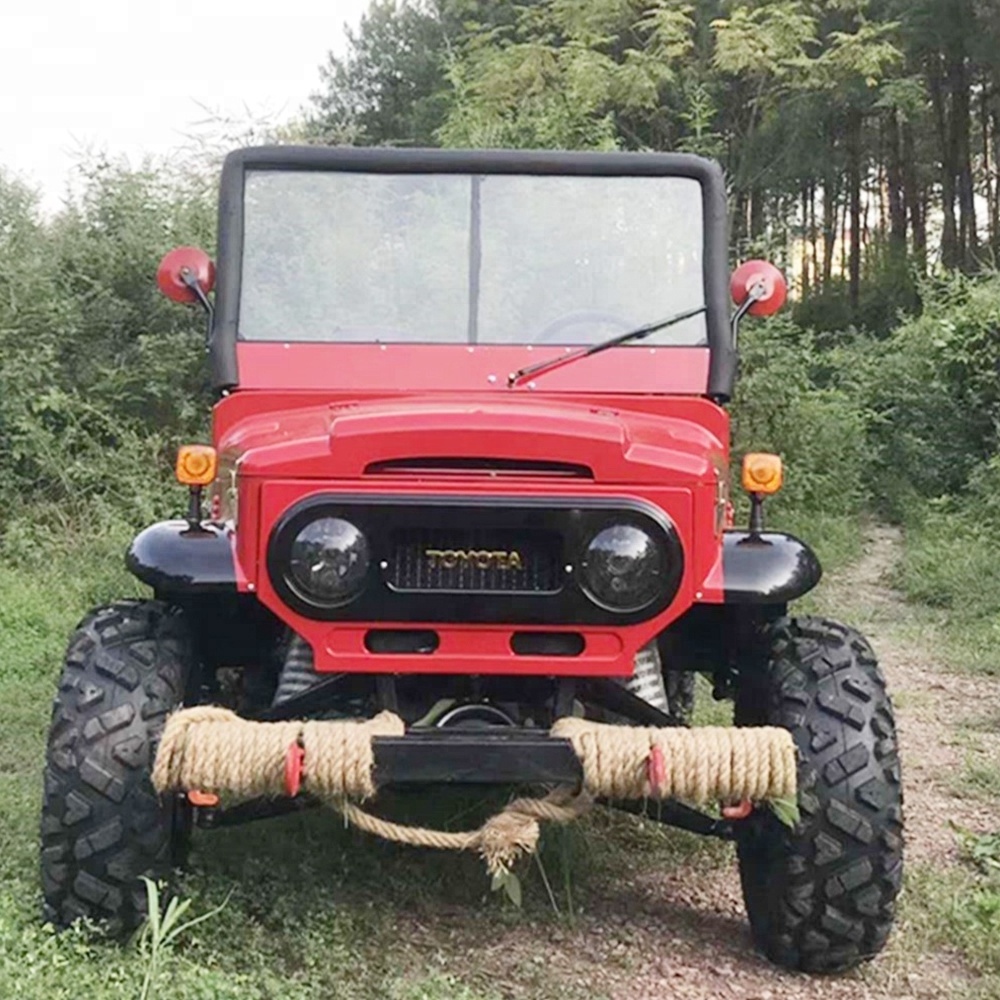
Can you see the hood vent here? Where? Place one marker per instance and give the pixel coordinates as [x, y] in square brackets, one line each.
[491, 467]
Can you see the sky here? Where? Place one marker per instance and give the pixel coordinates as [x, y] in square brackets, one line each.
[134, 77]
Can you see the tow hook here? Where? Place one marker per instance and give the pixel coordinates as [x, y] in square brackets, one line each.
[741, 810]
[205, 807]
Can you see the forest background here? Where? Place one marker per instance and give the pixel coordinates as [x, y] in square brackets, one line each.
[861, 144]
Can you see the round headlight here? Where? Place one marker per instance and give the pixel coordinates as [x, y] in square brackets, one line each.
[329, 561]
[624, 568]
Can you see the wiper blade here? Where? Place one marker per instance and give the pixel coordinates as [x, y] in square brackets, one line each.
[639, 333]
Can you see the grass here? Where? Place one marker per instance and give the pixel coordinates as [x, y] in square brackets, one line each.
[949, 565]
[956, 911]
[314, 910]
[836, 538]
[949, 568]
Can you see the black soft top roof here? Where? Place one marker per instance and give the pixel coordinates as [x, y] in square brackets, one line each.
[470, 161]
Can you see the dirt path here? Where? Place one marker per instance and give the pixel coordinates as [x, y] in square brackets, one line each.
[934, 706]
[682, 932]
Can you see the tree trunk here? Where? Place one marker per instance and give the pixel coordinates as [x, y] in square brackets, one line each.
[950, 253]
[990, 191]
[756, 213]
[813, 231]
[832, 182]
[853, 146]
[995, 221]
[961, 123]
[896, 189]
[739, 220]
[844, 217]
[806, 262]
[913, 197]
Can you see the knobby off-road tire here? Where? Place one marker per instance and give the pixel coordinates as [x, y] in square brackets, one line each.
[102, 824]
[821, 898]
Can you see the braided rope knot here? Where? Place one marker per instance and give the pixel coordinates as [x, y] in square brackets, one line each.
[500, 841]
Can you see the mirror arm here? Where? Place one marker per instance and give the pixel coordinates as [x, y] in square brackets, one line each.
[754, 295]
[190, 279]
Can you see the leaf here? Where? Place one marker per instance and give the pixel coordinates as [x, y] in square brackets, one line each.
[152, 909]
[786, 810]
[185, 927]
[512, 886]
[510, 883]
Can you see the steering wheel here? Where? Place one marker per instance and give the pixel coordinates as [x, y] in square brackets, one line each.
[581, 316]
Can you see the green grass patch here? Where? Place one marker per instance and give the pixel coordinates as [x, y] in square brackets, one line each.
[836, 538]
[955, 910]
[982, 778]
[950, 564]
[312, 910]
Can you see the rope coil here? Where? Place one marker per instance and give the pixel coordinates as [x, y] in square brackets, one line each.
[707, 764]
[214, 750]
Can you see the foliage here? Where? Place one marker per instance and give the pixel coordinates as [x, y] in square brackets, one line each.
[935, 398]
[846, 127]
[791, 399]
[97, 372]
[163, 927]
[389, 86]
[982, 849]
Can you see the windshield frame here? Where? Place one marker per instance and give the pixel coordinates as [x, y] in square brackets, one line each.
[224, 338]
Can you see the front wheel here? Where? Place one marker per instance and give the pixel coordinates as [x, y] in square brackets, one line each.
[102, 824]
[821, 897]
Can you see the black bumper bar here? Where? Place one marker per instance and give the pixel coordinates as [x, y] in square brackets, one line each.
[474, 756]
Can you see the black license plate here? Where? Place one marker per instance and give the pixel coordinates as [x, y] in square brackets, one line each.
[485, 562]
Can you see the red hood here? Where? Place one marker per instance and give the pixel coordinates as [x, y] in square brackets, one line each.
[342, 441]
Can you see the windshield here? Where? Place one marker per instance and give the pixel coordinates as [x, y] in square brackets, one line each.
[452, 258]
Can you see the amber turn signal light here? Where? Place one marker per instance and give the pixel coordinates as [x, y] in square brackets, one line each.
[762, 473]
[197, 465]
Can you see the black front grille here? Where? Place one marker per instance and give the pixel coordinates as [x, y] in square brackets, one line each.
[468, 561]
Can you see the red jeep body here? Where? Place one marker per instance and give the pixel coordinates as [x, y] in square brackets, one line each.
[469, 482]
[437, 436]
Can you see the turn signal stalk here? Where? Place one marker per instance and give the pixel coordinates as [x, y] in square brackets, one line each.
[762, 476]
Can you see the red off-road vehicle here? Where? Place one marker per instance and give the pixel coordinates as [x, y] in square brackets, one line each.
[470, 463]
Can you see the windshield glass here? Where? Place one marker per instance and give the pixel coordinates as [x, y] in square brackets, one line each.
[449, 258]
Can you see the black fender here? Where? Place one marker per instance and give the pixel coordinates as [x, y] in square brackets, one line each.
[767, 567]
[175, 558]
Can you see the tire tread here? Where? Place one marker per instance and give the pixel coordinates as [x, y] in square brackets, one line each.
[821, 897]
[102, 824]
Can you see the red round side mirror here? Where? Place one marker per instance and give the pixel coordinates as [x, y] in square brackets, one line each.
[762, 279]
[188, 263]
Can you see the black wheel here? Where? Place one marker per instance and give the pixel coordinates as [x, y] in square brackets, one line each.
[680, 694]
[102, 824]
[821, 897]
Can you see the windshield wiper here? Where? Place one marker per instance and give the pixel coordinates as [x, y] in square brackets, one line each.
[639, 333]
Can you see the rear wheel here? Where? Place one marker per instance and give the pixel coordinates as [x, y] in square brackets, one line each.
[102, 824]
[821, 897]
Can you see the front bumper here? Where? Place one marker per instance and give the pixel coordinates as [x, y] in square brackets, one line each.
[474, 756]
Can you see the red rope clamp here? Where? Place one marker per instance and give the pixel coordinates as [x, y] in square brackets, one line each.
[295, 757]
[656, 771]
